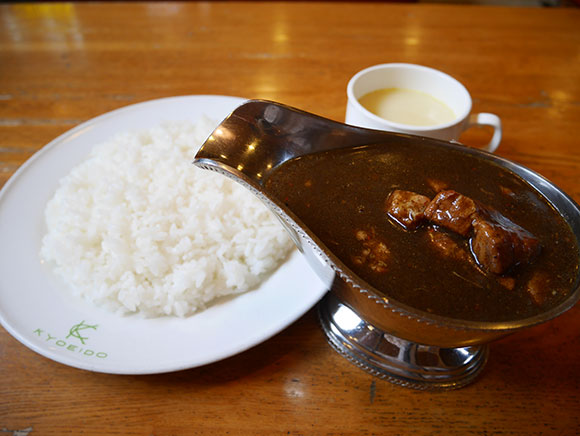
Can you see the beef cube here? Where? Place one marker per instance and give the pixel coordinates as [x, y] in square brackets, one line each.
[492, 247]
[498, 246]
[406, 208]
[526, 246]
[453, 211]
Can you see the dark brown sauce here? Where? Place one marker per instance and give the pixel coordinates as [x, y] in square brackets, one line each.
[339, 192]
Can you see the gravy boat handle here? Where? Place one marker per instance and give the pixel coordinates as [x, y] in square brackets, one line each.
[260, 135]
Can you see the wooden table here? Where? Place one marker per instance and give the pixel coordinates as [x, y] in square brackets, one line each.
[61, 64]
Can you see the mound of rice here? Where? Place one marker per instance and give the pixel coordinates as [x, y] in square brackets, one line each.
[137, 228]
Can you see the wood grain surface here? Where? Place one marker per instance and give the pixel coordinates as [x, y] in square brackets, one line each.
[62, 64]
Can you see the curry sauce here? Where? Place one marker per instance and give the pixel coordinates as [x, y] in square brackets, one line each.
[340, 196]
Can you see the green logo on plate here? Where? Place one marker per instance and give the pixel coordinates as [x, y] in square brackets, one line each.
[77, 328]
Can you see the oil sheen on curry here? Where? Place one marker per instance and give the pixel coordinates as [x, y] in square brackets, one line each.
[447, 233]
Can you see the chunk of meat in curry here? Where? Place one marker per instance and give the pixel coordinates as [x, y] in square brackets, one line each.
[499, 246]
[406, 208]
[453, 211]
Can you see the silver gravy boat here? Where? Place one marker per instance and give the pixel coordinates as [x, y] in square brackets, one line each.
[392, 341]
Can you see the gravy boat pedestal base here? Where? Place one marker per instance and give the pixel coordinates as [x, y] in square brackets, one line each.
[405, 363]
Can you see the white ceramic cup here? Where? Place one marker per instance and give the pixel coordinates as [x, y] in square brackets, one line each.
[428, 80]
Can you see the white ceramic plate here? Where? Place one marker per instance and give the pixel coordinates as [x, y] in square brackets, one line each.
[36, 311]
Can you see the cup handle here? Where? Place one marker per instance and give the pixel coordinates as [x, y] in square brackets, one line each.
[487, 119]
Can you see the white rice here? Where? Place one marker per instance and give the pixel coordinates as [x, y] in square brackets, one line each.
[137, 228]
